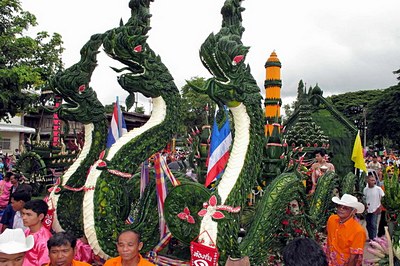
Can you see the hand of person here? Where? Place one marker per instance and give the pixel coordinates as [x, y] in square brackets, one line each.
[378, 210]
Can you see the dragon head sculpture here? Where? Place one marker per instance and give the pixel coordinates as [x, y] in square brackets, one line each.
[81, 103]
[144, 71]
[223, 54]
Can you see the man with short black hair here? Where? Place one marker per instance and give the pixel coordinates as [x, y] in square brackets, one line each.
[373, 195]
[17, 186]
[33, 214]
[61, 248]
[128, 246]
[12, 217]
[304, 252]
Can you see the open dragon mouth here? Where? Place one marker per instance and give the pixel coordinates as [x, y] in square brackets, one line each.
[70, 104]
[133, 68]
[132, 84]
[217, 72]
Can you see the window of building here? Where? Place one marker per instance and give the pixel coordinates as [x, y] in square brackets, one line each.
[5, 144]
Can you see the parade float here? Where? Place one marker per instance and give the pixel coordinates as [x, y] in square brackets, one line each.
[181, 220]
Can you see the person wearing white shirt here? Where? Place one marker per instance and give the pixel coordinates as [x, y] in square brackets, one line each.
[373, 195]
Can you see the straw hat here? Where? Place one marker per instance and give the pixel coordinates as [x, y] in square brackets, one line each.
[349, 201]
[13, 241]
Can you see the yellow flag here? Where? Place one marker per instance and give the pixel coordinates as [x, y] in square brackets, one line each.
[357, 156]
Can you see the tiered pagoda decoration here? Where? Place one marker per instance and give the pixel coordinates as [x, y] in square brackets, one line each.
[306, 133]
[272, 85]
[315, 123]
[273, 164]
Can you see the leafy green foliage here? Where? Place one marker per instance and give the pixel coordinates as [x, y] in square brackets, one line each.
[288, 109]
[346, 102]
[26, 63]
[381, 111]
[383, 115]
[139, 109]
[397, 72]
[194, 106]
[109, 108]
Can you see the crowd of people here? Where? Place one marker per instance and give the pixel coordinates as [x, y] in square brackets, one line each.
[26, 240]
[45, 249]
[8, 161]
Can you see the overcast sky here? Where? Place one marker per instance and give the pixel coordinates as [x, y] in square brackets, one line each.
[343, 45]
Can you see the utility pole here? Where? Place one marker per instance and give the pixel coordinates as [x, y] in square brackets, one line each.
[365, 126]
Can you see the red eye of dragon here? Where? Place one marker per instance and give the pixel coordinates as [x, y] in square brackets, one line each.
[237, 59]
[137, 49]
[82, 88]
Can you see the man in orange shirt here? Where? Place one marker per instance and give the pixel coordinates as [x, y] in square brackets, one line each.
[62, 250]
[128, 246]
[346, 237]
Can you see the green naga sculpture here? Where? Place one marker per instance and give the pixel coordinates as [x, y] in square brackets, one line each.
[81, 105]
[232, 84]
[111, 189]
[107, 201]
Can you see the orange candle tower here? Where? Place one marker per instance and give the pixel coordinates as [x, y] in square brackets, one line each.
[273, 84]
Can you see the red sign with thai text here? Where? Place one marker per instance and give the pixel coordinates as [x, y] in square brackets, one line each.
[202, 255]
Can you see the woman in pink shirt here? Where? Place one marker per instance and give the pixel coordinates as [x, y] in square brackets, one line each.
[5, 186]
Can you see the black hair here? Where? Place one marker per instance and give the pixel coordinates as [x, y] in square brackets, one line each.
[16, 176]
[60, 239]
[304, 252]
[321, 152]
[17, 196]
[8, 175]
[130, 230]
[38, 206]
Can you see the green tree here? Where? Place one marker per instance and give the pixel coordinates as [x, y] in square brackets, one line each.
[383, 116]
[109, 108]
[26, 63]
[397, 72]
[195, 105]
[139, 109]
[354, 105]
[288, 109]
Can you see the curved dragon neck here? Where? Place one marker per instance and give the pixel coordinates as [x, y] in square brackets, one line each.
[234, 167]
[158, 116]
[53, 198]
[238, 153]
[76, 173]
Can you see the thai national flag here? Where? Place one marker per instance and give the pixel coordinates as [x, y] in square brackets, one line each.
[221, 140]
[117, 126]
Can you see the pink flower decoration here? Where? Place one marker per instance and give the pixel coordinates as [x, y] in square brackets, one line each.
[237, 59]
[55, 186]
[137, 49]
[56, 189]
[185, 215]
[213, 209]
[218, 215]
[101, 156]
[102, 165]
